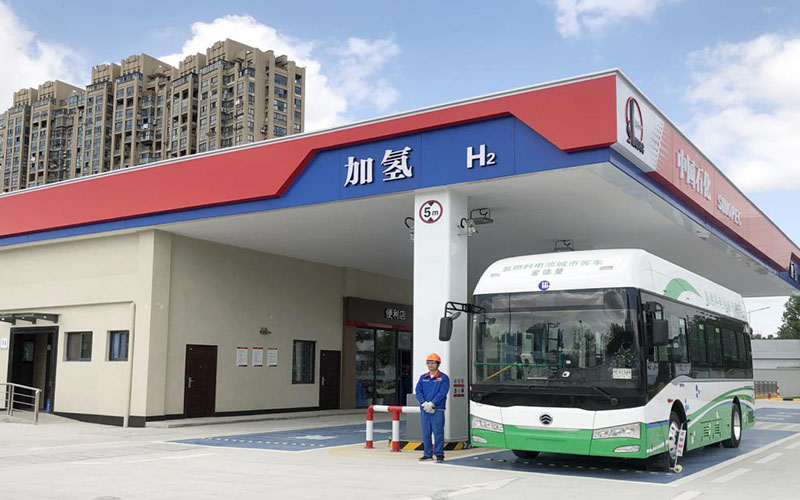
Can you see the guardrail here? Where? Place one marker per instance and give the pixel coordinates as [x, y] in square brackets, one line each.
[767, 389]
[22, 399]
[395, 411]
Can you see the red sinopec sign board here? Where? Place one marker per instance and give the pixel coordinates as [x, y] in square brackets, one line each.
[655, 146]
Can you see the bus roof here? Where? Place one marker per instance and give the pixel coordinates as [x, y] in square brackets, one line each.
[618, 268]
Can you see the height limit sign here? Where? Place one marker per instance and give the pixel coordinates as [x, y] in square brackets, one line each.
[430, 211]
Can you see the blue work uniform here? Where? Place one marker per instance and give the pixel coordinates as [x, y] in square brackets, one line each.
[434, 389]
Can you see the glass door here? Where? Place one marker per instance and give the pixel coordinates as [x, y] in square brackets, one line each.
[365, 367]
[386, 369]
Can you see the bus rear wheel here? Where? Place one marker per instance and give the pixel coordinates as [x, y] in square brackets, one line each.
[736, 428]
[525, 454]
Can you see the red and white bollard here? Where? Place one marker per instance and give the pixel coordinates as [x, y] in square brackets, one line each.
[395, 411]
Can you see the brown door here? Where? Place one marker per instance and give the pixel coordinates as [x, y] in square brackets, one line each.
[330, 366]
[200, 384]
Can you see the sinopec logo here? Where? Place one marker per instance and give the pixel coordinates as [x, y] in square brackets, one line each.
[634, 126]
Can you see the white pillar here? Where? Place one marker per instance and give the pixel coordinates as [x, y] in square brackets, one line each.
[440, 275]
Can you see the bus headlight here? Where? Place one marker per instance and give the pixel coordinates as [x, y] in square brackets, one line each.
[632, 431]
[486, 425]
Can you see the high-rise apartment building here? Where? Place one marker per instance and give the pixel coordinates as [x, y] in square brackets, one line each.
[145, 110]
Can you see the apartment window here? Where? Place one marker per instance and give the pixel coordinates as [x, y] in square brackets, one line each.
[250, 138]
[297, 127]
[303, 356]
[298, 90]
[298, 102]
[279, 92]
[279, 131]
[118, 345]
[79, 346]
[129, 91]
[279, 105]
[251, 87]
[281, 80]
[251, 99]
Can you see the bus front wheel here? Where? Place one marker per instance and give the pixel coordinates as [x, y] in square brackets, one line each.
[736, 428]
[525, 454]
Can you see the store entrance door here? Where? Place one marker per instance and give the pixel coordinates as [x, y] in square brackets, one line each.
[383, 367]
[33, 364]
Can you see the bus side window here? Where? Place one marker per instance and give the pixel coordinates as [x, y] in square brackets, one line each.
[678, 347]
[697, 350]
[714, 341]
[730, 353]
[748, 357]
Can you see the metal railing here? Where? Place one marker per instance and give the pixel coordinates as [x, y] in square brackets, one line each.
[767, 388]
[21, 398]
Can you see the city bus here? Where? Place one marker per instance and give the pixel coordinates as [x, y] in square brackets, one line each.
[605, 353]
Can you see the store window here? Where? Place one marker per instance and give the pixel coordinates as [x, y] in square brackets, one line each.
[303, 357]
[79, 346]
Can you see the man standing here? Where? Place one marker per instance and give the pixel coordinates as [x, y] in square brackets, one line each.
[431, 392]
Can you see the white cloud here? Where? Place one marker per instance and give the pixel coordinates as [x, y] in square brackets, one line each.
[596, 16]
[746, 110]
[352, 81]
[33, 60]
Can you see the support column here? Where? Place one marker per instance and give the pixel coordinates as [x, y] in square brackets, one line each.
[440, 275]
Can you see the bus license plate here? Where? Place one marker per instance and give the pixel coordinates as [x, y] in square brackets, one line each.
[681, 441]
[621, 373]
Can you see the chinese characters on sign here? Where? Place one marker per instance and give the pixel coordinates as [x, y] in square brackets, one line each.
[553, 267]
[391, 313]
[700, 180]
[694, 176]
[396, 163]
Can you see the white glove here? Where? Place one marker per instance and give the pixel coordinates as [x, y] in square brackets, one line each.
[428, 407]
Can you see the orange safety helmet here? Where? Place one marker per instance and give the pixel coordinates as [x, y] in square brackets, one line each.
[433, 357]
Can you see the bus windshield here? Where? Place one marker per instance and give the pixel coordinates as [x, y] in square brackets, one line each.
[582, 338]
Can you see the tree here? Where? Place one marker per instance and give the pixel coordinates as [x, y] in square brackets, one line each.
[790, 329]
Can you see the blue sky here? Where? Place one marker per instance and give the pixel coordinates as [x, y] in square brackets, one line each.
[726, 71]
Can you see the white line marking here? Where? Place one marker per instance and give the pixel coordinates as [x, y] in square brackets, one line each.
[179, 457]
[77, 445]
[769, 458]
[793, 446]
[686, 495]
[731, 475]
[732, 461]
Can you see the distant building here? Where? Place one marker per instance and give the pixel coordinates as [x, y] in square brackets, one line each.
[144, 110]
[778, 360]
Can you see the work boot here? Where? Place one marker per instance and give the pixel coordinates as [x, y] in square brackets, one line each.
[440, 458]
[423, 458]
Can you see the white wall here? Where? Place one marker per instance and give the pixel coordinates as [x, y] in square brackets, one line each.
[222, 295]
[90, 283]
[186, 291]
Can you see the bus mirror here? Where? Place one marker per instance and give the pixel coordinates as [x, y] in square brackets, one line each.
[660, 329]
[445, 328]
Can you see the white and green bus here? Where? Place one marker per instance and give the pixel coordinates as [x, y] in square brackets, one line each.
[605, 353]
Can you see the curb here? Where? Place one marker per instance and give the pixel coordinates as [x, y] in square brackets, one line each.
[450, 446]
[174, 424]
